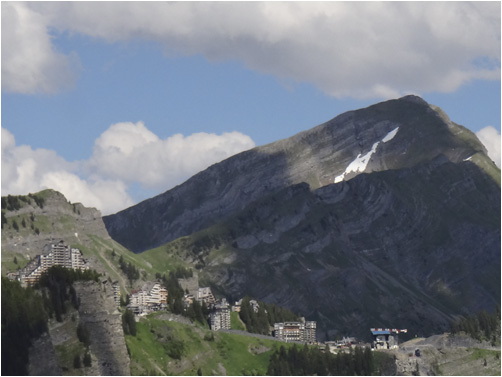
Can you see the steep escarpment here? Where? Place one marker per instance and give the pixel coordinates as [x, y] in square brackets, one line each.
[390, 135]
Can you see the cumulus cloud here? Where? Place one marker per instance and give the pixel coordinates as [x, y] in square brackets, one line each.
[26, 170]
[30, 63]
[490, 137]
[355, 49]
[132, 153]
[126, 154]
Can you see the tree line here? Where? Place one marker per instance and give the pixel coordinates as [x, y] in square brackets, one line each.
[13, 202]
[480, 326]
[311, 361]
[129, 270]
[58, 282]
[260, 322]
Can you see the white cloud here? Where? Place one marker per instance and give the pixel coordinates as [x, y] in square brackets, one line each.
[357, 49]
[124, 155]
[490, 137]
[30, 63]
[26, 170]
[132, 153]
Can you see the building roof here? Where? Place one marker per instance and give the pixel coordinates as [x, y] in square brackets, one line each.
[383, 332]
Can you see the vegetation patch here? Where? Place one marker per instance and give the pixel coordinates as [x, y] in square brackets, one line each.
[176, 349]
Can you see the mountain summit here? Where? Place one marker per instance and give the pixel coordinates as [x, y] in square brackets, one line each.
[391, 135]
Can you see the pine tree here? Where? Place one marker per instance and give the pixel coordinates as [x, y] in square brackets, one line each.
[87, 360]
[76, 362]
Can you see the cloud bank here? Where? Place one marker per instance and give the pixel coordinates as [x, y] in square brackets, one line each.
[347, 49]
[125, 154]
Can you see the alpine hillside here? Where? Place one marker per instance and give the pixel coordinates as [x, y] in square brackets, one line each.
[387, 216]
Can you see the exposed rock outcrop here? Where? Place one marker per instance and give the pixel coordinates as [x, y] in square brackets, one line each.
[99, 314]
[43, 360]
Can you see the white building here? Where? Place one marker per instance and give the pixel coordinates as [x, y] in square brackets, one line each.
[151, 297]
[219, 318]
[304, 332]
[56, 255]
[205, 295]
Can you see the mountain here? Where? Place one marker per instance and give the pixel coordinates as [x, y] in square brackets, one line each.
[317, 157]
[387, 216]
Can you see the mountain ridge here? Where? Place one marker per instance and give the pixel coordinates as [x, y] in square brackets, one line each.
[316, 156]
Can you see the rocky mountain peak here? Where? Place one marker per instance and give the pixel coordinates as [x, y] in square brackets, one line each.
[390, 135]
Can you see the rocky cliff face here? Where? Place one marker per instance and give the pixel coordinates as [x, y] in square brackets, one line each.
[390, 135]
[100, 315]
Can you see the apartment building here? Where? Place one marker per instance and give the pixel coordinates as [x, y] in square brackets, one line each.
[58, 254]
[303, 331]
[205, 295]
[151, 297]
[219, 318]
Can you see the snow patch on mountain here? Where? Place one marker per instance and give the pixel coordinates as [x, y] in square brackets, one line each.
[361, 162]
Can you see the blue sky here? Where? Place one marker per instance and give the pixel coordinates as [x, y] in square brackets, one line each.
[114, 103]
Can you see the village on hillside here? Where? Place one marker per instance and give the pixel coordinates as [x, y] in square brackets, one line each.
[153, 296]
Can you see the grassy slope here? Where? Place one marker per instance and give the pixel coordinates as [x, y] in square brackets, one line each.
[237, 354]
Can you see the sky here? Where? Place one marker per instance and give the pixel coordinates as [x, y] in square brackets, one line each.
[111, 103]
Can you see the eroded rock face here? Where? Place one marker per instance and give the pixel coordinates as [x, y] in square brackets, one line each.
[99, 314]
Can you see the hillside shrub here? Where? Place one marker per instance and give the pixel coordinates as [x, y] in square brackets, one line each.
[129, 323]
[174, 348]
[83, 334]
[76, 362]
[129, 270]
[87, 359]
